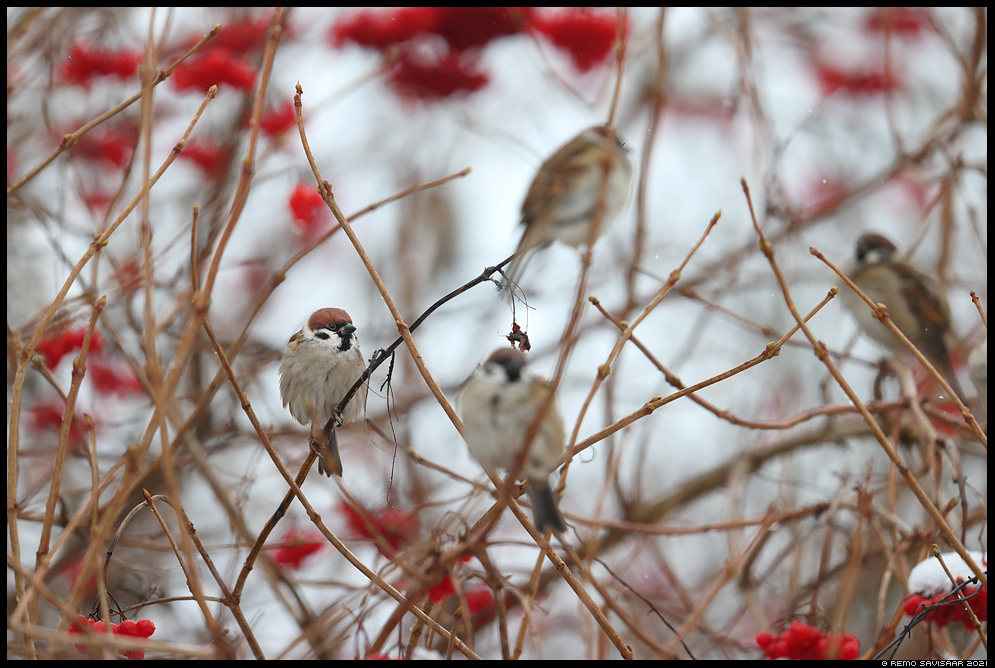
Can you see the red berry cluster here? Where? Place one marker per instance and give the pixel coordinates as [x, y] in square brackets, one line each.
[394, 526]
[458, 34]
[111, 379]
[54, 348]
[275, 122]
[461, 27]
[298, 545]
[586, 36]
[807, 643]
[908, 22]
[208, 155]
[854, 82]
[107, 378]
[85, 63]
[422, 76]
[306, 206]
[111, 147]
[478, 599]
[143, 628]
[445, 587]
[215, 67]
[48, 416]
[952, 609]
[241, 35]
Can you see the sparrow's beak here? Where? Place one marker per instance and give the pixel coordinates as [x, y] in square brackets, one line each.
[349, 329]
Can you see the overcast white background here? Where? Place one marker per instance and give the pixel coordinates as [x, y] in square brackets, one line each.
[370, 144]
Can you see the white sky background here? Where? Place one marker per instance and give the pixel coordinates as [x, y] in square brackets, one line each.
[370, 144]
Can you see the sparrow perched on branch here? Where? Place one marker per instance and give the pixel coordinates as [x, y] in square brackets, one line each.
[914, 301]
[498, 402]
[977, 370]
[321, 364]
[585, 182]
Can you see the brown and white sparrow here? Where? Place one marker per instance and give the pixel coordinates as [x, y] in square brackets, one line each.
[977, 370]
[498, 403]
[915, 303]
[562, 200]
[321, 364]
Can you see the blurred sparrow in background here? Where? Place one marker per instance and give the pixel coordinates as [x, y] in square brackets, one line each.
[498, 403]
[915, 303]
[977, 369]
[320, 365]
[592, 168]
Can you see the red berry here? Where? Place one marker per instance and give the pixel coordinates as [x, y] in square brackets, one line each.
[145, 627]
[442, 590]
[588, 37]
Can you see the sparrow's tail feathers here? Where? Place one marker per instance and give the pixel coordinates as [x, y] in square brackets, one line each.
[544, 508]
[946, 369]
[532, 241]
[329, 461]
[514, 271]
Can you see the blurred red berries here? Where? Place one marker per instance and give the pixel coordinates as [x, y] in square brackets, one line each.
[807, 643]
[416, 76]
[586, 36]
[445, 587]
[475, 27]
[306, 206]
[479, 600]
[48, 417]
[108, 379]
[854, 82]
[85, 63]
[442, 589]
[206, 154]
[379, 29]
[908, 22]
[392, 525]
[110, 146]
[277, 121]
[241, 36]
[460, 27]
[298, 545]
[54, 348]
[439, 54]
[214, 67]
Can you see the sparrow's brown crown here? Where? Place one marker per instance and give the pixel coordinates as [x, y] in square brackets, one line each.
[872, 242]
[510, 359]
[324, 317]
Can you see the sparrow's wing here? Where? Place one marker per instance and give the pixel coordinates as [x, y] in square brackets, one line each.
[924, 296]
[553, 178]
[552, 429]
[931, 308]
[928, 305]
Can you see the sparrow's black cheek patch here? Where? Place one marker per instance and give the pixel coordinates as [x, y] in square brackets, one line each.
[321, 335]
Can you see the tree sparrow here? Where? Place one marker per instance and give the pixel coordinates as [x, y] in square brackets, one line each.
[561, 201]
[977, 369]
[915, 303]
[498, 403]
[320, 365]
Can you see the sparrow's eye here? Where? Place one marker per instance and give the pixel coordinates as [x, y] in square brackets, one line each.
[321, 335]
